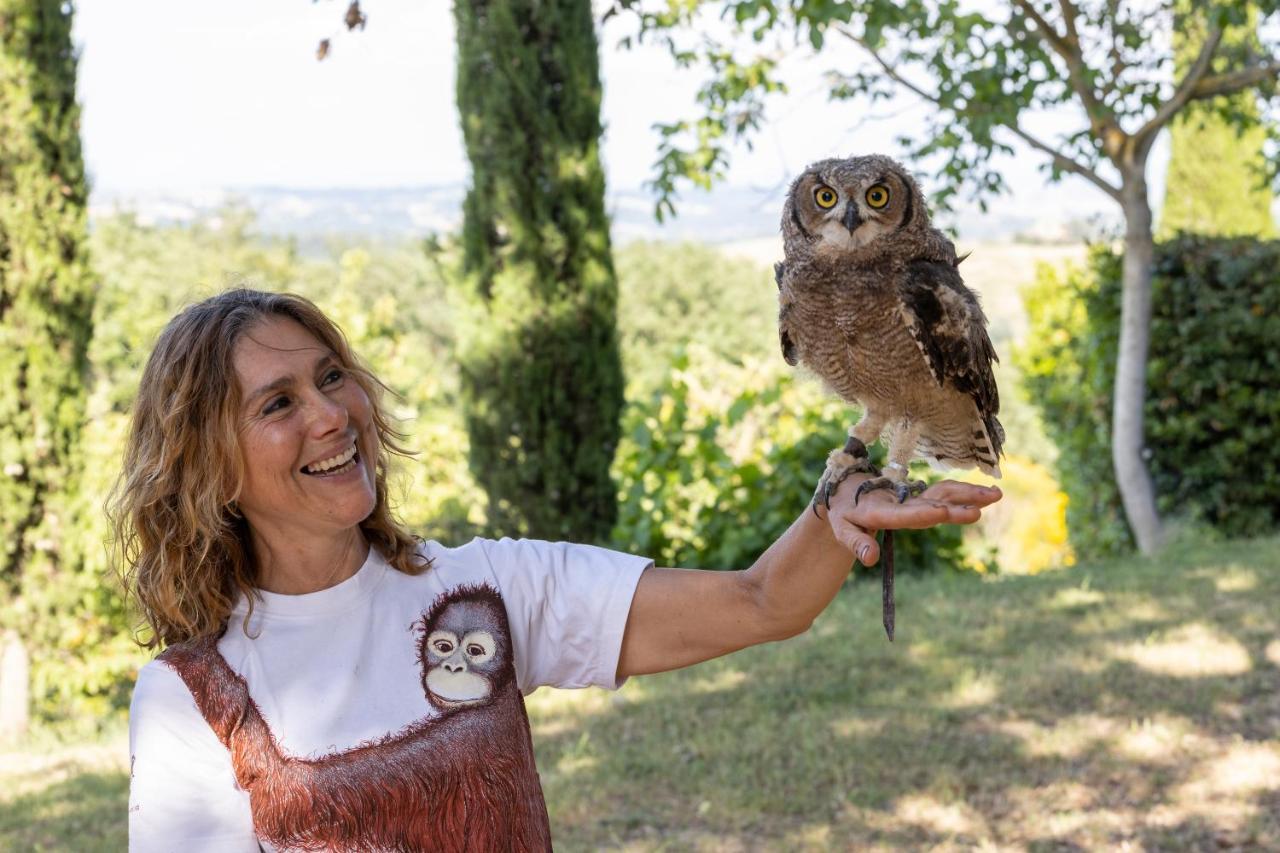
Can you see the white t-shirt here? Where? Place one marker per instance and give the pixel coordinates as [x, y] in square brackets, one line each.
[379, 712]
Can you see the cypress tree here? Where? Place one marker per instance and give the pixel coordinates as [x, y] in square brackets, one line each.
[1215, 183]
[46, 297]
[541, 370]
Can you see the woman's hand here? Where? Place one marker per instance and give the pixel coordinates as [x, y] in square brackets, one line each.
[855, 525]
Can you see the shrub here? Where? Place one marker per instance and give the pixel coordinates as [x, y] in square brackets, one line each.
[720, 461]
[1212, 379]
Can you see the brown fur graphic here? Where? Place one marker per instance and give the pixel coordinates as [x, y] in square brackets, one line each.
[462, 781]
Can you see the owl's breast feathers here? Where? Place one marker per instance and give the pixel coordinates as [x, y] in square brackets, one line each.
[947, 324]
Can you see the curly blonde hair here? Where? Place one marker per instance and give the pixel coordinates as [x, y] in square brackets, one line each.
[182, 546]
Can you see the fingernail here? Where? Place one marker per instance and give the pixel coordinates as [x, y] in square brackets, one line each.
[862, 553]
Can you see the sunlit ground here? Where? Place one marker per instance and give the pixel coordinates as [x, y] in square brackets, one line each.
[1133, 705]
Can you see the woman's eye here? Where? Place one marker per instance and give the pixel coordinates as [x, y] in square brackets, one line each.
[276, 405]
[332, 376]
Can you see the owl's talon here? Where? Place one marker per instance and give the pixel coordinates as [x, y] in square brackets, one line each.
[902, 489]
[909, 489]
[851, 459]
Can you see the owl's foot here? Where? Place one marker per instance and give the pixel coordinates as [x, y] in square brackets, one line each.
[901, 488]
[851, 459]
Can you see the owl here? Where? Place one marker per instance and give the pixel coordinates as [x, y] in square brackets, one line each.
[871, 300]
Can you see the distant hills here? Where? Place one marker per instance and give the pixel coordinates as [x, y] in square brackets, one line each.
[724, 215]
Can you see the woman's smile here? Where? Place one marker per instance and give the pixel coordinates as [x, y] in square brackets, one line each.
[338, 464]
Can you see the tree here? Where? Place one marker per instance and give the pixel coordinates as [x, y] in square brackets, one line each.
[46, 299]
[541, 371]
[988, 72]
[1212, 185]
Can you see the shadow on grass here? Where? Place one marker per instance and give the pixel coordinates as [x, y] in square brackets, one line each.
[1135, 703]
[85, 812]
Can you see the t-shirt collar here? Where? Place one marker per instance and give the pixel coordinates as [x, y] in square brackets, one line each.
[336, 598]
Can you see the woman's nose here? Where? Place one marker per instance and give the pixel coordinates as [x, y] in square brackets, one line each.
[327, 414]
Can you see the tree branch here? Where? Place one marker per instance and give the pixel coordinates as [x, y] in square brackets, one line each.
[1184, 93]
[1118, 66]
[1068, 48]
[888, 69]
[1065, 163]
[1062, 161]
[1235, 81]
[1069, 13]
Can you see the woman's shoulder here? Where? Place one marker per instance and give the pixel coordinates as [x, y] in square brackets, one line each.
[159, 693]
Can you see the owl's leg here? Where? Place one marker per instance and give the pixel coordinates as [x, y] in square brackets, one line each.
[868, 428]
[894, 474]
[850, 459]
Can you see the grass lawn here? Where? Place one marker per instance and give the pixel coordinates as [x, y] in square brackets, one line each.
[1134, 703]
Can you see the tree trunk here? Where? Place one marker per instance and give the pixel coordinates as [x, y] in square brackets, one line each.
[1128, 453]
[15, 688]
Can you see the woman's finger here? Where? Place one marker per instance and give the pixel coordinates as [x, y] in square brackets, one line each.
[880, 515]
[859, 542]
[951, 491]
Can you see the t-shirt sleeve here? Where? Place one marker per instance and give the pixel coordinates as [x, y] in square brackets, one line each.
[567, 606]
[182, 790]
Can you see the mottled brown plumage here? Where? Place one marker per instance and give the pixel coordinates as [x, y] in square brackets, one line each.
[871, 300]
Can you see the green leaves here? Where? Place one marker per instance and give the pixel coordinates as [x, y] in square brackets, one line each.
[46, 304]
[540, 368]
[723, 457]
[985, 73]
[697, 150]
[1212, 376]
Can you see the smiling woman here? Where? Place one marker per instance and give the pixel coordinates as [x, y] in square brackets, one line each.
[199, 458]
[330, 681]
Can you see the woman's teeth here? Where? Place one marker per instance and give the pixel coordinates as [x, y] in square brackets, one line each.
[333, 465]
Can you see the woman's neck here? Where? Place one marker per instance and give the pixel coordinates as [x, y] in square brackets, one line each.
[298, 567]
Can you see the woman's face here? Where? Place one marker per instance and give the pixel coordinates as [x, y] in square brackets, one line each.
[307, 437]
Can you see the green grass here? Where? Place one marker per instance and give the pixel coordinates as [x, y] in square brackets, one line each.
[65, 797]
[1135, 702]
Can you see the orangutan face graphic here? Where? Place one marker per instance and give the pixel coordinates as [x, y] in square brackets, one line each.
[464, 654]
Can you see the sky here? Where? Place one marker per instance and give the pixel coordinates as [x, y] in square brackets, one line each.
[189, 95]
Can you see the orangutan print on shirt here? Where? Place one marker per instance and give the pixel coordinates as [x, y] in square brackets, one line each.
[463, 779]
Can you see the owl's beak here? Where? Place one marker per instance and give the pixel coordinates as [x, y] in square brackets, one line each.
[851, 217]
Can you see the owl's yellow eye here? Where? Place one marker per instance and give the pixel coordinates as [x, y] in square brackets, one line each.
[878, 196]
[825, 197]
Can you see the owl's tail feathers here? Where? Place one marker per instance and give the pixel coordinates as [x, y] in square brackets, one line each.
[990, 446]
[983, 454]
[948, 463]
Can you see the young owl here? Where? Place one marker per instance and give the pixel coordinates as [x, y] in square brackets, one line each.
[871, 300]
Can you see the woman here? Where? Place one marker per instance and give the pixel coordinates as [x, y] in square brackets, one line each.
[331, 682]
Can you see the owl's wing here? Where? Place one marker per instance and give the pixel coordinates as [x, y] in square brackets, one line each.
[785, 340]
[948, 326]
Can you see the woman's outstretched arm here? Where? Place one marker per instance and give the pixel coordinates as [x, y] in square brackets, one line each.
[682, 616]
